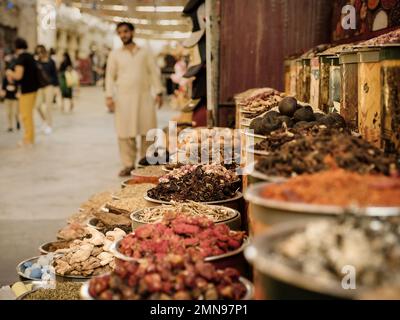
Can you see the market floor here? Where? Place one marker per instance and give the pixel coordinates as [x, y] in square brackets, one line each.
[41, 186]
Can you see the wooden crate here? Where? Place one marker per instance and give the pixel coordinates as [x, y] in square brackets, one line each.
[390, 77]
[369, 96]
[314, 82]
[349, 93]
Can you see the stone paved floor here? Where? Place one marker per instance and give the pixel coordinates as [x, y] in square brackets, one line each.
[41, 186]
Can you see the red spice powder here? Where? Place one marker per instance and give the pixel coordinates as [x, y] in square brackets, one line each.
[338, 187]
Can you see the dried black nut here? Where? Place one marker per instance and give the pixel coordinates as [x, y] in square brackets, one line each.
[301, 125]
[256, 123]
[288, 106]
[340, 122]
[327, 121]
[333, 120]
[318, 116]
[304, 114]
[270, 124]
[272, 115]
[308, 107]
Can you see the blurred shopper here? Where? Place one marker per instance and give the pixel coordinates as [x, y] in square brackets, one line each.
[26, 73]
[131, 76]
[45, 97]
[9, 93]
[57, 91]
[66, 84]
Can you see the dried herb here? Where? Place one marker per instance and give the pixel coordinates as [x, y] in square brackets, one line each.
[278, 138]
[63, 291]
[201, 183]
[325, 150]
[260, 103]
[149, 171]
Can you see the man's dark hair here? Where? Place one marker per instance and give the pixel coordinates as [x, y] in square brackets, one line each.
[21, 44]
[128, 24]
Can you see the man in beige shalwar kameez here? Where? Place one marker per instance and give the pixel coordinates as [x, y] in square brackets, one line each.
[132, 81]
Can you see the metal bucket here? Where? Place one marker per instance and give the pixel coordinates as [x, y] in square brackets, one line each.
[266, 212]
[276, 280]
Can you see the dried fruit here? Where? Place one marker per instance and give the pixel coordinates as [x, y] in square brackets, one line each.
[178, 233]
[161, 279]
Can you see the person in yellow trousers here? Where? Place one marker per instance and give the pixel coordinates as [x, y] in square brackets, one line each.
[26, 74]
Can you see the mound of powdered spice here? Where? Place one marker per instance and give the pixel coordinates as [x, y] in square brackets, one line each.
[338, 187]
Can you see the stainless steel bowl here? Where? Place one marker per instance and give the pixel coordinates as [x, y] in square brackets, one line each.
[257, 138]
[230, 203]
[39, 285]
[70, 278]
[43, 248]
[270, 212]
[257, 176]
[136, 181]
[85, 295]
[255, 154]
[234, 223]
[19, 268]
[278, 280]
[92, 223]
[114, 249]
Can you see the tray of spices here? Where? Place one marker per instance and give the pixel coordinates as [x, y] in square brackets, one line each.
[310, 261]
[218, 214]
[324, 195]
[179, 233]
[314, 153]
[200, 183]
[62, 291]
[173, 277]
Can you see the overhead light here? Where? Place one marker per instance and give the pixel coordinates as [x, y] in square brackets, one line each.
[100, 6]
[132, 20]
[147, 21]
[171, 22]
[163, 35]
[159, 8]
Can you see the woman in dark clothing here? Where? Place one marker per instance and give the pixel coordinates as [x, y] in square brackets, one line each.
[66, 89]
[26, 74]
[45, 97]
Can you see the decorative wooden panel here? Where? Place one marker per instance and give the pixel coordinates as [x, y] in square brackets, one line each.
[256, 36]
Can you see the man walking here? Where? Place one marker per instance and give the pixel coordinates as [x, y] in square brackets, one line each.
[132, 81]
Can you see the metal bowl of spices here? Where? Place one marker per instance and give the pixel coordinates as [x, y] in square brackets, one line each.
[267, 212]
[218, 214]
[52, 246]
[231, 259]
[255, 138]
[85, 295]
[62, 291]
[231, 202]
